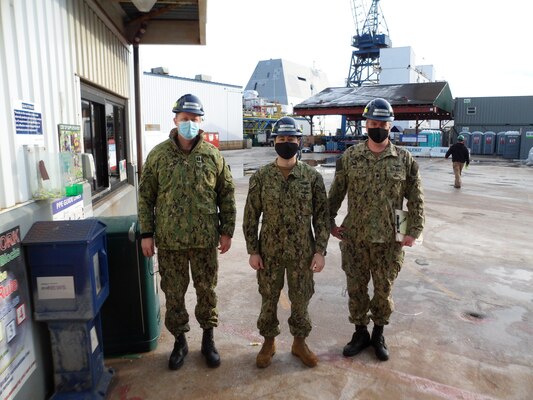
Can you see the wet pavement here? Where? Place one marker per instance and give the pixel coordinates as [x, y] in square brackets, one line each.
[462, 328]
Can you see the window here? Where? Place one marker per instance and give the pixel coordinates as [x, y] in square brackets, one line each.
[104, 136]
[471, 111]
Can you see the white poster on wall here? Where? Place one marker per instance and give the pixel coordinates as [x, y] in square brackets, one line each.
[28, 123]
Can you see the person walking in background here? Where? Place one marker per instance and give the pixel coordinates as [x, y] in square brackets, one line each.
[291, 198]
[187, 208]
[378, 176]
[460, 157]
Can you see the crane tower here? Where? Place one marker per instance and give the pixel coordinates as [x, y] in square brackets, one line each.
[370, 36]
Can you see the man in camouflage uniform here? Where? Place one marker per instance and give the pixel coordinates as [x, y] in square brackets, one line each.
[291, 197]
[377, 176]
[187, 204]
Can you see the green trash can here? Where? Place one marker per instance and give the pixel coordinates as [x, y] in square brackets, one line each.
[131, 316]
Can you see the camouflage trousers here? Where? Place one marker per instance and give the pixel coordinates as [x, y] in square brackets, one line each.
[301, 288]
[381, 262]
[174, 271]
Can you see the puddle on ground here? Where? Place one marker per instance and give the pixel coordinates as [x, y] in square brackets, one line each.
[520, 274]
[245, 169]
[322, 162]
[511, 293]
[237, 170]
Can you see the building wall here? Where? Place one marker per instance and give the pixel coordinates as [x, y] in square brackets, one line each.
[222, 106]
[42, 62]
[285, 82]
[47, 48]
[497, 114]
[398, 65]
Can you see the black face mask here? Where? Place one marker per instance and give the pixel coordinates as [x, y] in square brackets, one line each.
[378, 135]
[286, 150]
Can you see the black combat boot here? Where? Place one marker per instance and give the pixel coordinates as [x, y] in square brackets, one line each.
[378, 341]
[360, 341]
[178, 354]
[209, 350]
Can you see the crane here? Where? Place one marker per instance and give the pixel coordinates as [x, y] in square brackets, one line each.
[369, 38]
[371, 35]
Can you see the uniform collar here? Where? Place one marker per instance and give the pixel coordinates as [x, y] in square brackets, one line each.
[173, 135]
[390, 151]
[296, 171]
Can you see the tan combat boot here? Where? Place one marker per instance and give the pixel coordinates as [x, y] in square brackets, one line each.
[300, 350]
[264, 357]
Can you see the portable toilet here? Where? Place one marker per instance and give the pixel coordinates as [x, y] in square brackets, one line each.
[477, 141]
[512, 145]
[423, 138]
[433, 137]
[468, 138]
[526, 143]
[500, 143]
[489, 139]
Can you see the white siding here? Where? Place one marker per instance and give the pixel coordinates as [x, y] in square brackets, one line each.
[45, 48]
[36, 65]
[222, 105]
[102, 57]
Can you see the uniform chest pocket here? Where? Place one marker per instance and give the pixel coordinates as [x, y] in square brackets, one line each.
[396, 172]
[305, 198]
[206, 175]
[271, 199]
[357, 177]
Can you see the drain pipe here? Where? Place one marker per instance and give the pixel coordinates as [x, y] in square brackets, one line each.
[137, 89]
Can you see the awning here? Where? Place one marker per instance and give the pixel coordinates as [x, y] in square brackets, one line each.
[168, 22]
[411, 101]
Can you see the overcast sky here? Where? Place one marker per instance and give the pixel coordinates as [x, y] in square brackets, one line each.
[480, 47]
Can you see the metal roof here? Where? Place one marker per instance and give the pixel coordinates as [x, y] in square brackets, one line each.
[411, 101]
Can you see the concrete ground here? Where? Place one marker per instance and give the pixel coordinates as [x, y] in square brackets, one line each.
[462, 328]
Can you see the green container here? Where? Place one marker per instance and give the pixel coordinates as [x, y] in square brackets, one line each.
[131, 316]
[74, 189]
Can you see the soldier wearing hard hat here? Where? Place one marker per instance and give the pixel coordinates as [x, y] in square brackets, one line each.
[187, 209]
[377, 176]
[290, 197]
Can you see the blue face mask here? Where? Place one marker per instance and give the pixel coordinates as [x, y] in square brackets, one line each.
[188, 129]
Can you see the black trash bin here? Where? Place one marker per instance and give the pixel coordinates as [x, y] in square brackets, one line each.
[131, 317]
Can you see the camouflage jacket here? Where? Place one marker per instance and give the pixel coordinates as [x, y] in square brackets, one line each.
[376, 187]
[187, 200]
[292, 210]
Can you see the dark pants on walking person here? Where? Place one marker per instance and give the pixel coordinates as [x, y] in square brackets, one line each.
[457, 170]
[174, 270]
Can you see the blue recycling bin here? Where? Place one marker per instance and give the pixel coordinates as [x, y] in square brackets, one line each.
[67, 262]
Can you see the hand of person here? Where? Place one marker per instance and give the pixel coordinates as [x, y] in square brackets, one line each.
[147, 246]
[338, 231]
[256, 262]
[408, 241]
[225, 243]
[318, 263]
